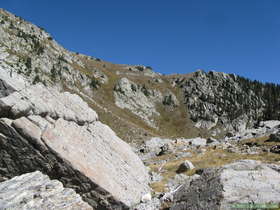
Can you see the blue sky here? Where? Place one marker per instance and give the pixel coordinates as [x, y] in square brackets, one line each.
[178, 36]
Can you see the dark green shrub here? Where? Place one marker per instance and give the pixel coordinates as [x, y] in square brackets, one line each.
[94, 83]
[53, 73]
[38, 48]
[140, 68]
[168, 100]
[11, 26]
[28, 63]
[61, 58]
[42, 28]
[66, 69]
[36, 80]
[145, 91]
[36, 70]
[133, 87]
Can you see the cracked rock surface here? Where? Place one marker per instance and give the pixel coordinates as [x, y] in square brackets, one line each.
[36, 191]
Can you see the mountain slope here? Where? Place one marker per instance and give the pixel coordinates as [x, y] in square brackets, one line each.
[135, 101]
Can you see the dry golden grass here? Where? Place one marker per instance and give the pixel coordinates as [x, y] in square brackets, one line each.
[210, 159]
[261, 141]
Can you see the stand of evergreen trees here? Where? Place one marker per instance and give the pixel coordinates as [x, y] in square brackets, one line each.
[268, 92]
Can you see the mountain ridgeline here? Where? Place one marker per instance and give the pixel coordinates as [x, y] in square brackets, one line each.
[98, 135]
[133, 100]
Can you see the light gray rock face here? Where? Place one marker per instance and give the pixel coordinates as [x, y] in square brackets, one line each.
[245, 181]
[270, 124]
[196, 141]
[217, 98]
[154, 204]
[101, 156]
[138, 99]
[36, 191]
[38, 100]
[58, 134]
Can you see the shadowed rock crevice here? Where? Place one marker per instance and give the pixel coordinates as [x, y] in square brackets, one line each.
[5, 89]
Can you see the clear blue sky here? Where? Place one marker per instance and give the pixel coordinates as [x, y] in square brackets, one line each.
[178, 36]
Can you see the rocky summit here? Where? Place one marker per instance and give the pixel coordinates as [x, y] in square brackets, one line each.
[78, 132]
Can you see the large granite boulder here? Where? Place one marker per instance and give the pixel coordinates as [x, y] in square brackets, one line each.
[58, 134]
[245, 181]
[36, 191]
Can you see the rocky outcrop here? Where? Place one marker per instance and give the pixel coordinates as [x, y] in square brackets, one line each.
[219, 99]
[242, 182]
[170, 99]
[143, 70]
[58, 134]
[138, 99]
[37, 191]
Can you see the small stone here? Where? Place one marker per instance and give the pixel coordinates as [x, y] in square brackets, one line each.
[275, 149]
[146, 198]
[185, 166]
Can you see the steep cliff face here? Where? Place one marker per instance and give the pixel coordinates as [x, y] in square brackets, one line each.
[219, 99]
